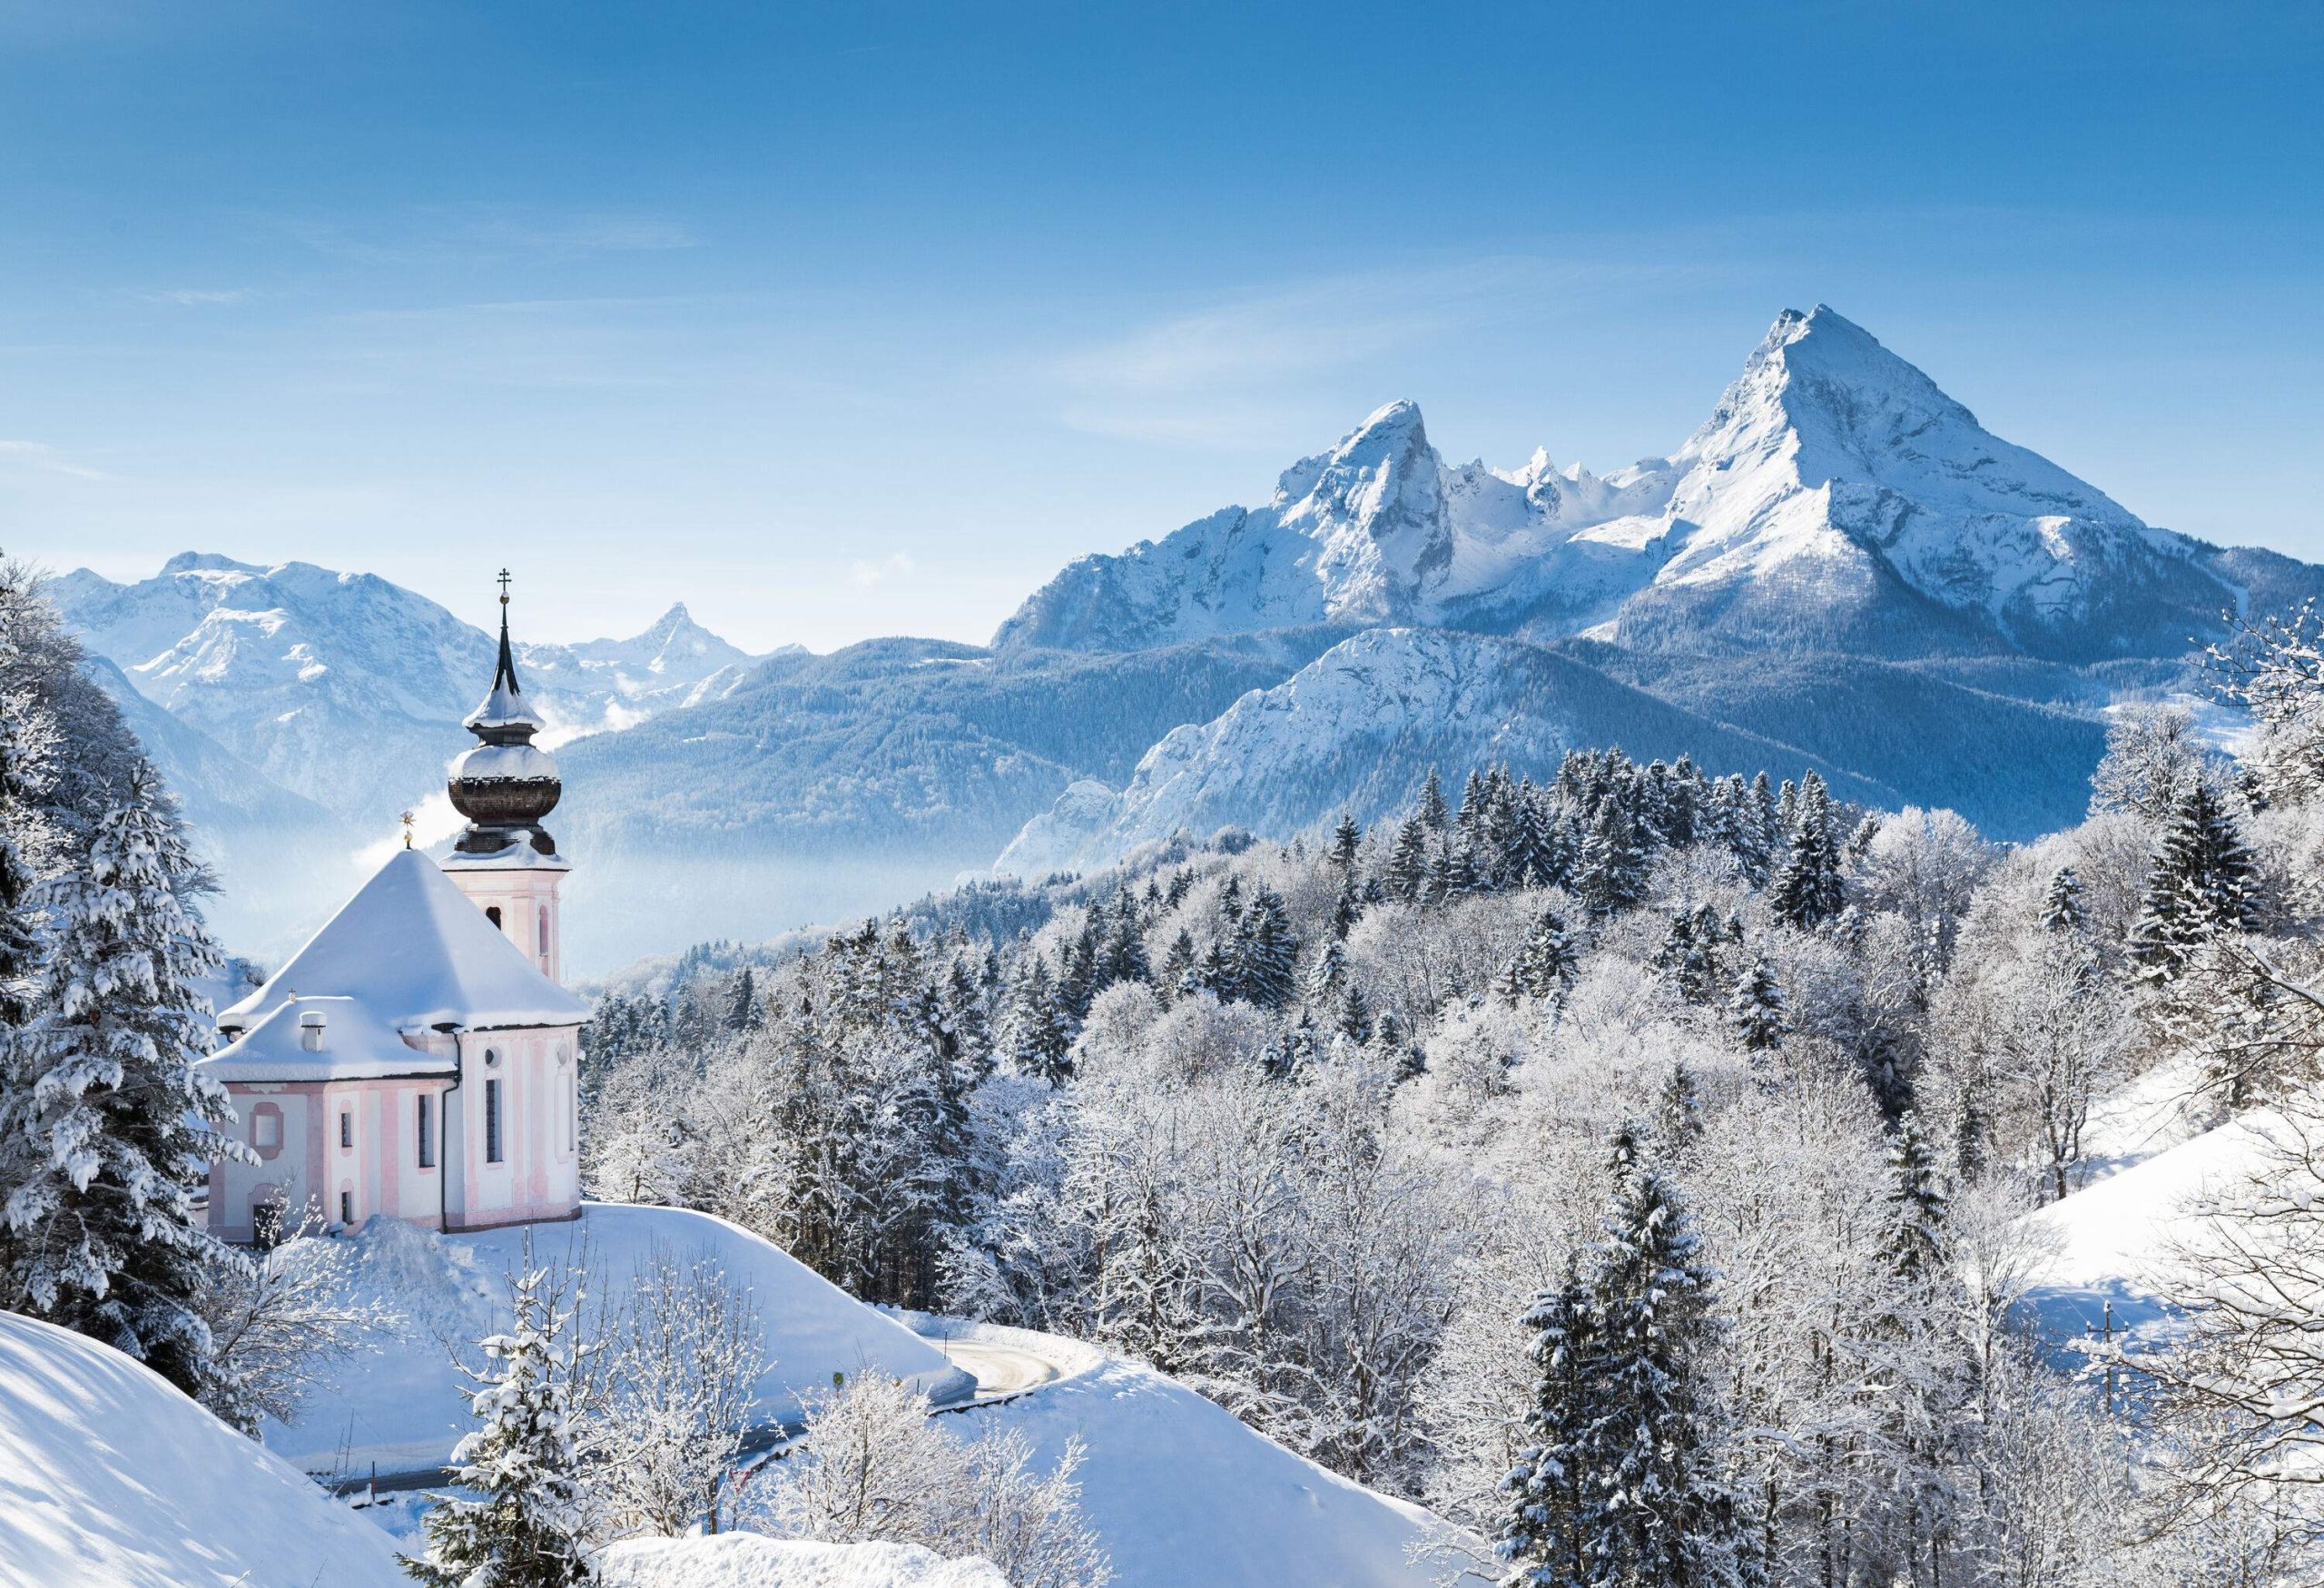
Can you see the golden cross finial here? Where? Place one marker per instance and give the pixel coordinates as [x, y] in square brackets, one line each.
[504, 586]
[406, 819]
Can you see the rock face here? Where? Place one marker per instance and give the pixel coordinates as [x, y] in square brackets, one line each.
[1835, 499]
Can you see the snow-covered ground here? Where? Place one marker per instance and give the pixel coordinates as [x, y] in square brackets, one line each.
[398, 1402]
[745, 1560]
[2113, 1241]
[109, 1477]
[1180, 1492]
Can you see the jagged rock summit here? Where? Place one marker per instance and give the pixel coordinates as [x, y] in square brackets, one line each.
[1836, 499]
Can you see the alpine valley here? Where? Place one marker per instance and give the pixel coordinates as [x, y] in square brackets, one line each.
[1841, 569]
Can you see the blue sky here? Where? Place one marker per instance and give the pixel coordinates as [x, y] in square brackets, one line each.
[837, 321]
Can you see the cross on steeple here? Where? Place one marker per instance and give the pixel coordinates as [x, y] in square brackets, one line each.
[504, 586]
[406, 819]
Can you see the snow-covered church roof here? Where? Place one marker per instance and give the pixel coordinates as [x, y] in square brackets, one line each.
[413, 952]
[349, 1043]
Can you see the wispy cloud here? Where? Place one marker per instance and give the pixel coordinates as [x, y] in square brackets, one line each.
[194, 297]
[485, 232]
[40, 458]
[866, 574]
[1222, 369]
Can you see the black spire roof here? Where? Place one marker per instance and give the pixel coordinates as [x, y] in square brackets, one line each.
[505, 786]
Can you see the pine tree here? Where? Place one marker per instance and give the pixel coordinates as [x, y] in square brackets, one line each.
[1347, 841]
[2062, 909]
[2201, 885]
[743, 1003]
[1807, 889]
[1687, 956]
[1036, 1035]
[1678, 1111]
[1326, 977]
[1916, 1198]
[1124, 958]
[105, 1125]
[1354, 1018]
[1348, 908]
[1755, 1011]
[28, 841]
[1266, 954]
[1554, 1503]
[525, 1528]
[1431, 813]
[1658, 1517]
[1543, 964]
[1178, 966]
[1613, 867]
[1407, 876]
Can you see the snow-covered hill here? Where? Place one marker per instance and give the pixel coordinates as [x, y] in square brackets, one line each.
[1358, 727]
[110, 1478]
[398, 1402]
[1836, 499]
[1180, 1492]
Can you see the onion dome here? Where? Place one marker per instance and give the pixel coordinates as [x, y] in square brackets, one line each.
[504, 786]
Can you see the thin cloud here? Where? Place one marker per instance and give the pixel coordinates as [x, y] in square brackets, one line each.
[865, 574]
[1231, 367]
[40, 458]
[485, 232]
[196, 297]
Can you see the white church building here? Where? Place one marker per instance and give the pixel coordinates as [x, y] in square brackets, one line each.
[417, 1058]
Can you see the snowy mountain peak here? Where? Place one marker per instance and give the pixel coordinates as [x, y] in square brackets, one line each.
[1837, 497]
[206, 562]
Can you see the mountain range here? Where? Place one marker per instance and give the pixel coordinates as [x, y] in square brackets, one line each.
[1841, 568]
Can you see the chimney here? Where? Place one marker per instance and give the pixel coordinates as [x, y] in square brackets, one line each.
[312, 1022]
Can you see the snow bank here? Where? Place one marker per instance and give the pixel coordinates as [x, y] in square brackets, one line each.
[1181, 1493]
[398, 1402]
[746, 1559]
[110, 1478]
[2113, 1240]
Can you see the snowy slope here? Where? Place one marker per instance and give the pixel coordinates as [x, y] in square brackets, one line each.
[1358, 730]
[399, 1402]
[110, 1478]
[1836, 499]
[1181, 1493]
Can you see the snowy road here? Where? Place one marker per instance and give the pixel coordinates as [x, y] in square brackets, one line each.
[1001, 1370]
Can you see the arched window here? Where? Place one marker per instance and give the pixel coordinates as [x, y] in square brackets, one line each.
[543, 940]
[492, 914]
[492, 1121]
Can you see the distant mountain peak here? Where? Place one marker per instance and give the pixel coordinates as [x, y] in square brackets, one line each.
[1835, 498]
[206, 562]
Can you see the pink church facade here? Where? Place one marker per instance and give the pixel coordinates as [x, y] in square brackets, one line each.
[418, 1058]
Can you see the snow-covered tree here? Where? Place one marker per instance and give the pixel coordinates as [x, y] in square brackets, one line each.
[105, 1125]
[1755, 1011]
[2203, 884]
[1659, 1513]
[526, 1526]
[2154, 756]
[276, 1322]
[1807, 888]
[1551, 1539]
[680, 1362]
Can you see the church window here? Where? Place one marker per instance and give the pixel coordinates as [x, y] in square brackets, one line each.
[492, 1122]
[266, 1225]
[544, 939]
[346, 1130]
[347, 1207]
[266, 1129]
[427, 1131]
[492, 914]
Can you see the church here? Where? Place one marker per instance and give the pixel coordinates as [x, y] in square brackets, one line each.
[417, 1058]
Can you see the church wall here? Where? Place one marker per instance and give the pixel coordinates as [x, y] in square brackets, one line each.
[539, 1174]
[527, 898]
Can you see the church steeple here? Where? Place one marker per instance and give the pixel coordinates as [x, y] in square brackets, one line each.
[505, 786]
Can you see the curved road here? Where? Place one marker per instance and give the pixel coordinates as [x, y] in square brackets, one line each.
[1001, 1371]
